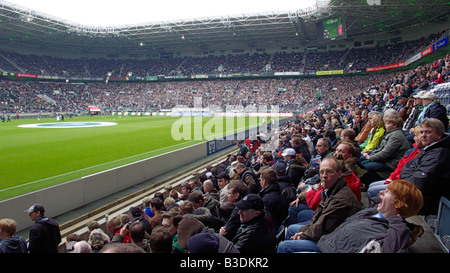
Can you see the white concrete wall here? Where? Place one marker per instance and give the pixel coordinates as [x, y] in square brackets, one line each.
[68, 196]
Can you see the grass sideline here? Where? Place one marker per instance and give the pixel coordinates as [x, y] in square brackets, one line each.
[36, 158]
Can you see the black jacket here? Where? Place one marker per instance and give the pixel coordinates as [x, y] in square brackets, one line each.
[437, 111]
[275, 203]
[294, 172]
[255, 236]
[430, 172]
[44, 236]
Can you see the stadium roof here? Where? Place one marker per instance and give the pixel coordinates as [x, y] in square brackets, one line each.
[25, 27]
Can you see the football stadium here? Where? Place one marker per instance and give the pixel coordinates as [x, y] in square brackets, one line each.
[290, 127]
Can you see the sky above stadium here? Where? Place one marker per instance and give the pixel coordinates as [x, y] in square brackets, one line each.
[115, 13]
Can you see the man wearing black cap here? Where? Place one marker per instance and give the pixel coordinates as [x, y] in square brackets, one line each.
[254, 234]
[44, 236]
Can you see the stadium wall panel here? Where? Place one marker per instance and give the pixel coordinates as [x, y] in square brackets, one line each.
[68, 196]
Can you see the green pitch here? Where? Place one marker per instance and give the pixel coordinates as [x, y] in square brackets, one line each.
[36, 158]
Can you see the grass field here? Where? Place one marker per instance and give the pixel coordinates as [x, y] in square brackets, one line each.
[36, 158]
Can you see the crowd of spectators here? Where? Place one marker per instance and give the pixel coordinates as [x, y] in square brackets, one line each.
[256, 63]
[290, 94]
[300, 190]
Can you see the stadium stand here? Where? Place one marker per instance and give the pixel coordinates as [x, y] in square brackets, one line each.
[314, 98]
[314, 122]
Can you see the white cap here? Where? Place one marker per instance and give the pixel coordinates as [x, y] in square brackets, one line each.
[288, 151]
[429, 95]
[420, 94]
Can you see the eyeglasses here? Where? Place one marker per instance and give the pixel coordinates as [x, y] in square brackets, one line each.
[328, 172]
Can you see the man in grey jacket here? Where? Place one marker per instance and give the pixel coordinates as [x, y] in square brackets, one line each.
[388, 153]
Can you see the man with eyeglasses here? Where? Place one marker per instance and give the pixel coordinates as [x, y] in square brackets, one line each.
[338, 202]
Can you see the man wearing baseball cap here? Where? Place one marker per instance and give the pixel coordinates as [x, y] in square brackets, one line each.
[432, 109]
[255, 234]
[44, 235]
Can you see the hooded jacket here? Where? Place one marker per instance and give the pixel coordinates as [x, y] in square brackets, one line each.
[15, 244]
[44, 236]
[275, 203]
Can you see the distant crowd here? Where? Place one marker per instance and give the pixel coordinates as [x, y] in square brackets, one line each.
[354, 59]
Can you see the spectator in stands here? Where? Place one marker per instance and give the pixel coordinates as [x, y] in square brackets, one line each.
[295, 166]
[323, 149]
[44, 234]
[156, 206]
[189, 226]
[10, 242]
[187, 207]
[114, 226]
[349, 136]
[301, 148]
[365, 124]
[414, 112]
[160, 240]
[136, 216]
[139, 236]
[388, 153]
[248, 177]
[243, 148]
[97, 239]
[208, 202]
[430, 169]
[402, 99]
[388, 232]
[236, 191]
[309, 198]
[287, 189]
[345, 153]
[185, 191]
[255, 234]
[376, 187]
[266, 161]
[282, 144]
[376, 133]
[222, 180]
[357, 124]
[307, 139]
[433, 109]
[203, 243]
[271, 195]
[146, 206]
[338, 203]
[170, 220]
[71, 240]
[82, 247]
[210, 190]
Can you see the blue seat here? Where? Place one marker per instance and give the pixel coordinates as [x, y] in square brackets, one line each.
[442, 231]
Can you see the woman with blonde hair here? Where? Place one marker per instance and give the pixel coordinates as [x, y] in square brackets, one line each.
[376, 133]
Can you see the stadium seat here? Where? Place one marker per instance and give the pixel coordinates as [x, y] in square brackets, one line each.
[442, 231]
